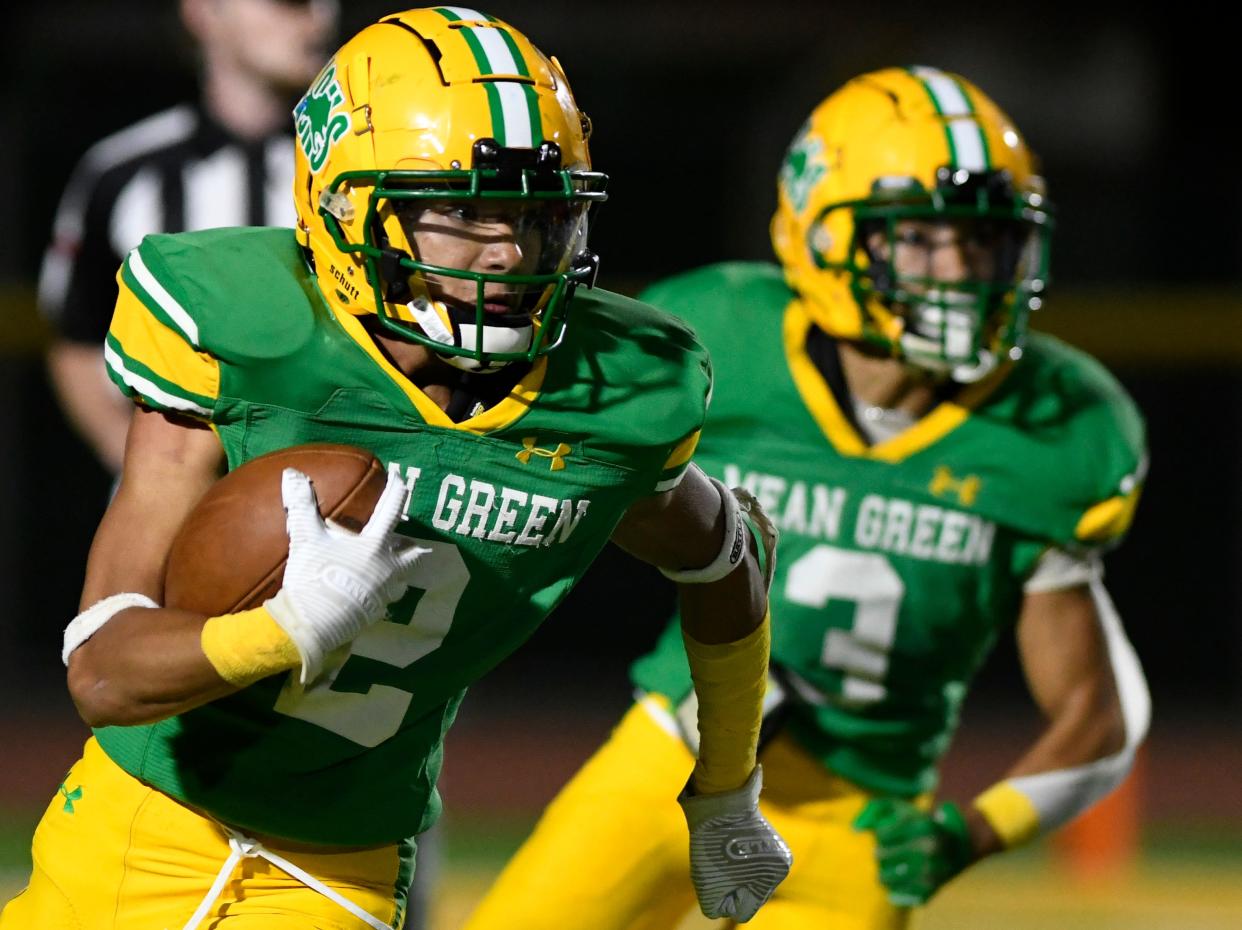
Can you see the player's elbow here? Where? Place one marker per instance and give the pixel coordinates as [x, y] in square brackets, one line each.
[97, 699]
[88, 692]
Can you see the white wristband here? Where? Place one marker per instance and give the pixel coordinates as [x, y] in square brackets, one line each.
[732, 550]
[87, 623]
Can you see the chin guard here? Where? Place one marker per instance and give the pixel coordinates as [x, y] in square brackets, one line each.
[456, 327]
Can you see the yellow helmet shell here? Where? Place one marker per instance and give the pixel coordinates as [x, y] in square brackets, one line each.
[903, 123]
[415, 91]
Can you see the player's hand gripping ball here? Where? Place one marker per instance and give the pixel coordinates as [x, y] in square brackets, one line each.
[230, 552]
[338, 583]
[263, 535]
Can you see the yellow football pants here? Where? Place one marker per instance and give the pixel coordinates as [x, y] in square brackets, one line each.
[611, 852]
[111, 853]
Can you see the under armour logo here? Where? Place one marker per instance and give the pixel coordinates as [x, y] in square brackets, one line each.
[743, 848]
[70, 796]
[943, 482]
[557, 455]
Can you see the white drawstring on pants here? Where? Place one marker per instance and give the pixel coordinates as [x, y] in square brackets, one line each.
[243, 847]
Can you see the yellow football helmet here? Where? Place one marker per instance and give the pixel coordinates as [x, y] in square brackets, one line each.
[446, 109]
[923, 144]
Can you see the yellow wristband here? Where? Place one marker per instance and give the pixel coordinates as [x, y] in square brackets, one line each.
[247, 646]
[729, 680]
[1010, 813]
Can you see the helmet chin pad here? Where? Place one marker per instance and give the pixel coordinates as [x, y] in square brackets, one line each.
[943, 335]
[455, 326]
[950, 323]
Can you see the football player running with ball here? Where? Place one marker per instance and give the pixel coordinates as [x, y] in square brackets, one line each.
[270, 768]
[938, 476]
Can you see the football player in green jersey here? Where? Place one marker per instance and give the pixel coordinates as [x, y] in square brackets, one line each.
[270, 767]
[938, 476]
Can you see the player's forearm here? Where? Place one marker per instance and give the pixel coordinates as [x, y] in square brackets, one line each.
[728, 605]
[718, 547]
[727, 610]
[727, 638]
[984, 840]
[143, 665]
[1088, 726]
[1098, 714]
[1081, 754]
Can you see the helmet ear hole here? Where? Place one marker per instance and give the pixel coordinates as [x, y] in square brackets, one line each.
[393, 245]
[393, 282]
[396, 285]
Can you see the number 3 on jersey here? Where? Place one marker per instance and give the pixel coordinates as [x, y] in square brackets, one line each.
[869, 581]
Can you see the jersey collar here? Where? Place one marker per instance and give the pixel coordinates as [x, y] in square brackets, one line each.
[501, 414]
[836, 426]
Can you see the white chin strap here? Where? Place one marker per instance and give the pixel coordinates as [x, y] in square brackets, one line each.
[434, 320]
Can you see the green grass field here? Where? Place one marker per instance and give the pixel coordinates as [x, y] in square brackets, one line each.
[1186, 879]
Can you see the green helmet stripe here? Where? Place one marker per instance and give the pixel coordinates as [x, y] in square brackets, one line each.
[968, 146]
[515, 114]
[476, 48]
[519, 61]
[532, 113]
[498, 111]
[520, 112]
[494, 54]
[514, 106]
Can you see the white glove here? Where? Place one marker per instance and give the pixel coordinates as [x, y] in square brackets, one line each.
[736, 858]
[338, 583]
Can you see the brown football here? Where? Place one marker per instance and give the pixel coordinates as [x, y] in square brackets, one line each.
[230, 553]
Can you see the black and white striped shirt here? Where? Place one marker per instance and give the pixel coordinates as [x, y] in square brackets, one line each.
[173, 171]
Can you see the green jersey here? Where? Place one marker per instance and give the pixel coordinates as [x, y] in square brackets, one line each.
[513, 502]
[899, 563]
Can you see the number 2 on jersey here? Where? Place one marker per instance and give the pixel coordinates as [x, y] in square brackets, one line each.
[371, 718]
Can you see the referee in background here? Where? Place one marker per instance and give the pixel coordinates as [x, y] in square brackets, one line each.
[225, 160]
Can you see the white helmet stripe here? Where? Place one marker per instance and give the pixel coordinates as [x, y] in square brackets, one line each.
[514, 107]
[948, 96]
[500, 59]
[518, 131]
[967, 145]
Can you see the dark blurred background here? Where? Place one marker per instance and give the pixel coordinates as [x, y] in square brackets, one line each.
[693, 104]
